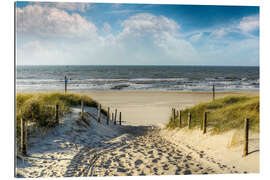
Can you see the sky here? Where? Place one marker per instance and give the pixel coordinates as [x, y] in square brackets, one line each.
[59, 33]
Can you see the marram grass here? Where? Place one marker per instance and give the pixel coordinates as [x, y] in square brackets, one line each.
[39, 108]
[224, 114]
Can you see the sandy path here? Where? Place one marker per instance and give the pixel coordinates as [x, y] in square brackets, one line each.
[74, 149]
[141, 155]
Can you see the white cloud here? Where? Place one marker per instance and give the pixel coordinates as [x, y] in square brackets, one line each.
[106, 27]
[142, 23]
[196, 37]
[219, 33]
[242, 52]
[81, 7]
[53, 22]
[249, 23]
[145, 39]
[157, 37]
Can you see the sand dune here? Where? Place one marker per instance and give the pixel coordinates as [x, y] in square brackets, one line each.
[76, 149]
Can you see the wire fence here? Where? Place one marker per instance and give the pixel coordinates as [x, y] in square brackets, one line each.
[48, 115]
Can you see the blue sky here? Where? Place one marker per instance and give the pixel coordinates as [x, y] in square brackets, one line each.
[136, 34]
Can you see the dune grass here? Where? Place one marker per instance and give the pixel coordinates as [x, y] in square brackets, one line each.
[224, 114]
[39, 108]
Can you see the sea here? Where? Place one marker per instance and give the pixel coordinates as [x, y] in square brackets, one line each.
[174, 78]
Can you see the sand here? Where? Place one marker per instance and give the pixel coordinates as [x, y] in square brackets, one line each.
[140, 147]
[153, 107]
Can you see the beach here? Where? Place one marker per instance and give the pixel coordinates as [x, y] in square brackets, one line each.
[154, 107]
[136, 89]
[141, 146]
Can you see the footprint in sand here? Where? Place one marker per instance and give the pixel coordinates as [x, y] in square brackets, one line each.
[138, 162]
[155, 160]
[186, 172]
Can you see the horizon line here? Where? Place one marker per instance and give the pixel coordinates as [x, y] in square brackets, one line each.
[132, 65]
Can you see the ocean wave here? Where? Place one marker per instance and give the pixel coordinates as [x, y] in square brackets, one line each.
[181, 84]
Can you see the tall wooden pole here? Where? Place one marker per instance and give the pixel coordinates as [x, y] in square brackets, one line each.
[82, 108]
[180, 118]
[246, 128]
[108, 115]
[57, 113]
[189, 120]
[204, 122]
[120, 118]
[115, 115]
[114, 119]
[66, 81]
[214, 93]
[99, 113]
[23, 137]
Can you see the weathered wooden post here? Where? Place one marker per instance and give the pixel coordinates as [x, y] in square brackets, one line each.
[120, 118]
[82, 109]
[214, 92]
[23, 137]
[108, 115]
[189, 120]
[66, 81]
[180, 118]
[204, 122]
[173, 114]
[177, 113]
[112, 116]
[115, 114]
[246, 128]
[114, 120]
[99, 113]
[57, 113]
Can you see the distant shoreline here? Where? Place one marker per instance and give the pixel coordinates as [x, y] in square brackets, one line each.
[158, 90]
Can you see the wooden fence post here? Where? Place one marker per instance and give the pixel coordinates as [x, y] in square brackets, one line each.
[204, 122]
[112, 116]
[82, 108]
[189, 120]
[180, 118]
[57, 113]
[99, 112]
[214, 93]
[115, 115]
[66, 80]
[23, 137]
[120, 118]
[108, 116]
[246, 128]
[173, 114]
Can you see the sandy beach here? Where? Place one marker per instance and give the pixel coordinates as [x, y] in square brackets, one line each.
[140, 147]
[154, 107]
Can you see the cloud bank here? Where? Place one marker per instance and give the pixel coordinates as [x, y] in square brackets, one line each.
[58, 33]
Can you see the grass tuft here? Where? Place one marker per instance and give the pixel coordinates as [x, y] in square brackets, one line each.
[224, 114]
[39, 108]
